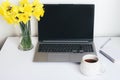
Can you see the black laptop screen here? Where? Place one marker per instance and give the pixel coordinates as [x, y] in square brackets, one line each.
[66, 22]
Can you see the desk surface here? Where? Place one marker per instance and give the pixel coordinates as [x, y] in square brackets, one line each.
[18, 65]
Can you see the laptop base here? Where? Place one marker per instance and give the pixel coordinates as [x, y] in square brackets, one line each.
[60, 56]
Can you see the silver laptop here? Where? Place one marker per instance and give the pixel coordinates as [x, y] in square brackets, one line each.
[65, 33]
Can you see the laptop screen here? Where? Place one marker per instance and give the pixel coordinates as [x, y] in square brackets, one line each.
[66, 22]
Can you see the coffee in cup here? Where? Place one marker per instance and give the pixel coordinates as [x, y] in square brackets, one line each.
[91, 60]
[90, 65]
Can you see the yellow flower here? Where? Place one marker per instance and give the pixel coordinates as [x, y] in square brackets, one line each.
[6, 4]
[15, 15]
[9, 19]
[21, 13]
[28, 8]
[7, 11]
[37, 3]
[25, 11]
[5, 7]
[38, 10]
[24, 2]
[1, 11]
[24, 18]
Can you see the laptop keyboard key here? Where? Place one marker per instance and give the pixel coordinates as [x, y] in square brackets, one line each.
[75, 51]
[81, 51]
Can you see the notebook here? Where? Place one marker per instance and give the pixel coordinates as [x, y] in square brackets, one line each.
[65, 33]
[112, 50]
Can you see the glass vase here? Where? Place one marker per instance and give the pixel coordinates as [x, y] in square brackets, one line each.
[25, 38]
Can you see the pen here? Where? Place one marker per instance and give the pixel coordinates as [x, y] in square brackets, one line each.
[105, 43]
[107, 56]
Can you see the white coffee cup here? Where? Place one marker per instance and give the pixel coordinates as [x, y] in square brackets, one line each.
[90, 65]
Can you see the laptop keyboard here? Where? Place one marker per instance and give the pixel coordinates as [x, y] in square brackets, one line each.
[75, 48]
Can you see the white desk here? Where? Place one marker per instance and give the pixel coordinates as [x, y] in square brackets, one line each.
[18, 65]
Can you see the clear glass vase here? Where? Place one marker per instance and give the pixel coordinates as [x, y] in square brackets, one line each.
[25, 38]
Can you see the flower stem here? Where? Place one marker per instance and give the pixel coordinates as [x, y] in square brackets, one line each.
[26, 42]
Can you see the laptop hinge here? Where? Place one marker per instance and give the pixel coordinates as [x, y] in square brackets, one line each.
[66, 41]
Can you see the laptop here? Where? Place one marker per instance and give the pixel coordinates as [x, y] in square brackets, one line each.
[65, 33]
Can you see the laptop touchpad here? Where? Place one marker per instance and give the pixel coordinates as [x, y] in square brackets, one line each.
[58, 57]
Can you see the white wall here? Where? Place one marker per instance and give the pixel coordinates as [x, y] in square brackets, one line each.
[107, 21]
[107, 18]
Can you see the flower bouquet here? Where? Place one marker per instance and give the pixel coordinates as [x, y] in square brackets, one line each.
[21, 14]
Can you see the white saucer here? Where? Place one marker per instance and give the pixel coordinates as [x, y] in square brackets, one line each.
[102, 70]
